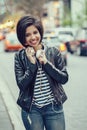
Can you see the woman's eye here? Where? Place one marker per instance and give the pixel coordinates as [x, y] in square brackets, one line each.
[27, 35]
[35, 32]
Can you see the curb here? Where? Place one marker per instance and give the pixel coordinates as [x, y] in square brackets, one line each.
[6, 110]
[11, 107]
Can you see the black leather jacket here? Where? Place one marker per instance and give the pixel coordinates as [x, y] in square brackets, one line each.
[55, 70]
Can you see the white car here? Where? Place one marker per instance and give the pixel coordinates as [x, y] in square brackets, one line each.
[65, 34]
[53, 41]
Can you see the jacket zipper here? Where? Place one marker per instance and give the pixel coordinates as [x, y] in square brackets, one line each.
[33, 93]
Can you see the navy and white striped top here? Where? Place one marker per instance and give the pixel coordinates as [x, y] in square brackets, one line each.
[42, 92]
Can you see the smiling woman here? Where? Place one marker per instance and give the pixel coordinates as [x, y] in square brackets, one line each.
[32, 36]
[40, 72]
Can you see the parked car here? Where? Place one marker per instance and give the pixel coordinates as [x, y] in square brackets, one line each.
[66, 35]
[53, 41]
[2, 36]
[82, 38]
[11, 42]
[79, 44]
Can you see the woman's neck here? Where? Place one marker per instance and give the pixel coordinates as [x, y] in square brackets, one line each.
[38, 47]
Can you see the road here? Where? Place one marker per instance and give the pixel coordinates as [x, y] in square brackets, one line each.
[76, 106]
[76, 89]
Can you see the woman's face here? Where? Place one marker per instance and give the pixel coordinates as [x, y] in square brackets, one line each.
[32, 36]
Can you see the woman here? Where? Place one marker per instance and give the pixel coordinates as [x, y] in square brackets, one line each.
[39, 71]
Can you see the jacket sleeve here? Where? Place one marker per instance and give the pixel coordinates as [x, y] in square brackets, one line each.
[23, 76]
[57, 71]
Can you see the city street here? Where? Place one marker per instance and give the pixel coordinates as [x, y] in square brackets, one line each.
[65, 27]
[75, 107]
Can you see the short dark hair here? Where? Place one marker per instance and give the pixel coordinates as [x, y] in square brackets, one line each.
[25, 22]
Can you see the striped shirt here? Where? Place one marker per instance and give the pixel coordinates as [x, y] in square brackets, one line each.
[42, 92]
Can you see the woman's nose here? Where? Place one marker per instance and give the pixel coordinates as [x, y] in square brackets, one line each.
[33, 36]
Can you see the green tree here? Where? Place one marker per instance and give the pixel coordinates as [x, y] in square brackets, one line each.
[82, 18]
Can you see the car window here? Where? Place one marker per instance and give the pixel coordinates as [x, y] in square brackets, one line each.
[12, 38]
[51, 41]
[65, 37]
[66, 33]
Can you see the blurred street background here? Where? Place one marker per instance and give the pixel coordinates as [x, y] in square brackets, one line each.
[65, 27]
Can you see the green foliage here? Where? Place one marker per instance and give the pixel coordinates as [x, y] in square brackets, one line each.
[67, 22]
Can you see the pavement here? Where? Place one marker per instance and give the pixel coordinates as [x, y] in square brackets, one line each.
[10, 116]
[5, 121]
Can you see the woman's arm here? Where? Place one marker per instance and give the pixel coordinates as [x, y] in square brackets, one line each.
[57, 70]
[24, 76]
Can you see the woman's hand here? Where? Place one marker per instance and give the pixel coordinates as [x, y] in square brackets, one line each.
[41, 56]
[31, 54]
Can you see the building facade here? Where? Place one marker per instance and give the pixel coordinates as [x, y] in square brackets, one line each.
[52, 14]
[74, 12]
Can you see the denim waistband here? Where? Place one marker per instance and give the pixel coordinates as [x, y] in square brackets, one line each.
[50, 103]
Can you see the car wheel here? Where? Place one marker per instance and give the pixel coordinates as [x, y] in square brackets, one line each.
[6, 50]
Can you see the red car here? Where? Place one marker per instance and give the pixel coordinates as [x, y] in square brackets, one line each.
[82, 48]
[2, 36]
[11, 43]
[79, 45]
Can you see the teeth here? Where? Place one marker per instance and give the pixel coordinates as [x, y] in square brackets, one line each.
[34, 42]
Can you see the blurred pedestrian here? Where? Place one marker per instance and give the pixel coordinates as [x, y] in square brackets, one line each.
[40, 72]
[69, 47]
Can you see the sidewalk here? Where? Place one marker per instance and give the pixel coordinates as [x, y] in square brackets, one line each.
[10, 117]
[5, 121]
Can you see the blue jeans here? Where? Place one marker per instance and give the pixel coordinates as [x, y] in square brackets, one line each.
[50, 117]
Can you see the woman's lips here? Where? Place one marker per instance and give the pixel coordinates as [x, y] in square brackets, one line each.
[33, 42]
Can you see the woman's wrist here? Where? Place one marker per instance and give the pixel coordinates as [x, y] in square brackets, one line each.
[45, 61]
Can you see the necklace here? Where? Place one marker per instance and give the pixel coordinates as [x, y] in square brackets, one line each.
[40, 73]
